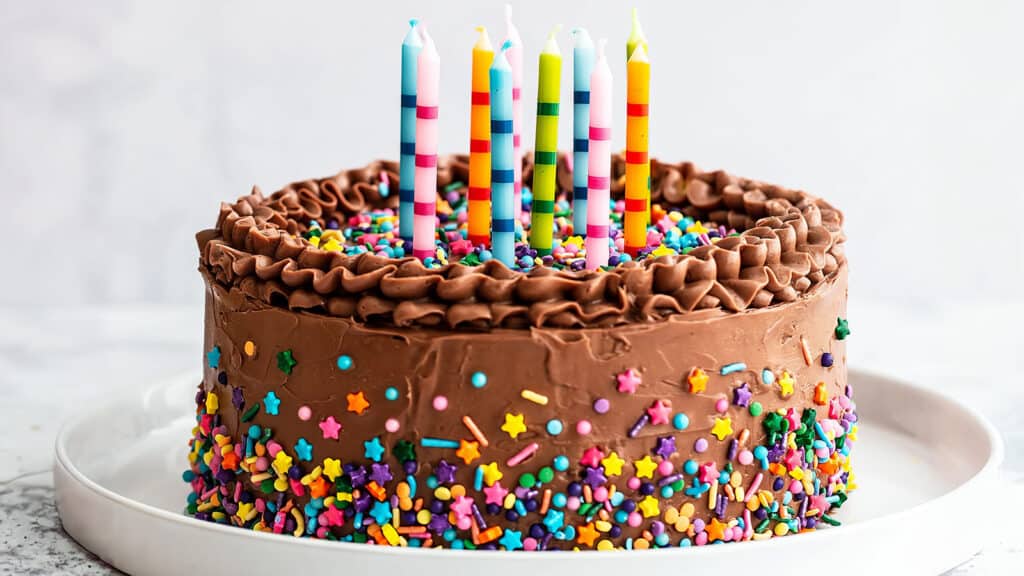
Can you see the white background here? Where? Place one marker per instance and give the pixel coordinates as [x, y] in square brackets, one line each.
[124, 123]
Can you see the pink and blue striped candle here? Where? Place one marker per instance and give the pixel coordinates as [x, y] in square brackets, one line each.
[503, 227]
[425, 188]
[599, 161]
[411, 47]
[582, 67]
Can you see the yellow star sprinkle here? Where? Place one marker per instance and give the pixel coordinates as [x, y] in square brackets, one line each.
[645, 467]
[332, 468]
[722, 428]
[282, 462]
[212, 403]
[663, 251]
[612, 464]
[786, 383]
[697, 228]
[514, 424]
[491, 473]
[649, 507]
[244, 510]
[698, 380]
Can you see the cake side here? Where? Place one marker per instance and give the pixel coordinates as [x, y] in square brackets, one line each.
[700, 427]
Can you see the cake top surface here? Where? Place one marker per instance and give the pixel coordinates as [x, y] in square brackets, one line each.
[717, 243]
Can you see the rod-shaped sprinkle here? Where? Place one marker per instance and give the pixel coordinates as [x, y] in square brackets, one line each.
[411, 47]
[599, 161]
[502, 160]
[515, 62]
[480, 143]
[545, 155]
[638, 165]
[582, 67]
[425, 192]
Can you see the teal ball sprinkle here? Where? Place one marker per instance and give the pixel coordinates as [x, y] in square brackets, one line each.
[690, 467]
[561, 463]
[345, 362]
[681, 421]
[554, 427]
[479, 379]
[391, 393]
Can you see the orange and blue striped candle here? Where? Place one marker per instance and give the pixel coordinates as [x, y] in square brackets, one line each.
[503, 229]
[638, 165]
[411, 47]
[582, 67]
[545, 155]
[480, 143]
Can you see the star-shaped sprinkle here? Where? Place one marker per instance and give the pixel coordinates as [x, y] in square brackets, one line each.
[715, 530]
[698, 380]
[793, 459]
[357, 402]
[786, 383]
[404, 450]
[381, 512]
[665, 446]
[512, 540]
[660, 412]
[469, 450]
[491, 473]
[271, 403]
[380, 473]
[285, 361]
[330, 428]
[649, 507]
[592, 457]
[594, 477]
[495, 494]
[462, 506]
[282, 462]
[628, 381]
[722, 428]
[820, 503]
[445, 472]
[304, 450]
[587, 534]
[612, 464]
[332, 468]
[237, 398]
[708, 472]
[741, 395]
[554, 519]
[645, 467]
[842, 328]
[373, 449]
[212, 403]
[213, 357]
[514, 424]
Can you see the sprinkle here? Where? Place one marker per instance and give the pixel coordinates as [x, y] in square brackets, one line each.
[722, 428]
[428, 442]
[440, 403]
[357, 402]
[768, 377]
[734, 367]
[271, 403]
[584, 427]
[304, 450]
[786, 383]
[475, 431]
[826, 359]
[842, 329]
[602, 405]
[330, 428]
[660, 411]
[468, 451]
[479, 379]
[680, 421]
[250, 348]
[523, 454]
[628, 381]
[373, 449]
[514, 425]
[391, 393]
[305, 413]
[384, 185]
[805, 351]
[698, 381]
[554, 427]
[392, 425]
[645, 467]
[344, 362]
[285, 361]
[634, 430]
[534, 397]
[213, 357]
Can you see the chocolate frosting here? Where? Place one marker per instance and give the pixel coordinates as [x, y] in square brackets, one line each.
[789, 243]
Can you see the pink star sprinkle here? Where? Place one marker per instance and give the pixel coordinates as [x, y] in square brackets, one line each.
[462, 506]
[628, 381]
[495, 494]
[592, 457]
[708, 472]
[330, 428]
[660, 412]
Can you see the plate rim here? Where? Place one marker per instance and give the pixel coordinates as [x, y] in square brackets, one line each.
[993, 461]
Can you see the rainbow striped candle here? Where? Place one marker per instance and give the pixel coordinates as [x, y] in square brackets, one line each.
[480, 143]
[407, 158]
[425, 192]
[582, 67]
[515, 61]
[599, 161]
[638, 166]
[503, 228]
[545, 155]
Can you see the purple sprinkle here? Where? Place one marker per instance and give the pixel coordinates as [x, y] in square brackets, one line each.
[638, 425]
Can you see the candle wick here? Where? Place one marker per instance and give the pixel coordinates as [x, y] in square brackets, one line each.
[555, 31]
[413, 22]
[506, 45]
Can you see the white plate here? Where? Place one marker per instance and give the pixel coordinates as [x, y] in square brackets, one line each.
[921, 460]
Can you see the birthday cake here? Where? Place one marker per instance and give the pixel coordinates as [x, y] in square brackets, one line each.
[692, 393]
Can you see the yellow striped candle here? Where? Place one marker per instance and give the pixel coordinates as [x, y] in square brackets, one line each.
[545, 156]
[638, 166]
[480, 143]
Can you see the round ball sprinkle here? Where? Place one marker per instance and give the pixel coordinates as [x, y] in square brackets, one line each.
[440, 403]
[680, 421]
[391, 393]
[479, 379]
[602, 405]
[554, 427]
[583, 427]
[344, 362]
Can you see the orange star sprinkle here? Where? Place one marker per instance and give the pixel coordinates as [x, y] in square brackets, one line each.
[468, 450]
[698, 380]
[715, 530]
[357, 402]
[587, 534]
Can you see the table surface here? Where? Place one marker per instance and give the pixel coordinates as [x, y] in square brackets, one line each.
[57, 362]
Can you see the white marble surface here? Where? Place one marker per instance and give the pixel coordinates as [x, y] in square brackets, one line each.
[61, 361]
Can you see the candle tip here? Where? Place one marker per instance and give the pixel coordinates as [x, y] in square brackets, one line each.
[483, 42]
[506, 45]
[413, 22]
[554, 31]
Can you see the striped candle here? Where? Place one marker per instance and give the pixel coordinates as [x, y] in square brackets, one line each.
[515, 61]
[425, 192]
[638, 166]
[502, 160]
[599, 161]
[582, 67]
[407, 158]
[480, 143]
[545, 155]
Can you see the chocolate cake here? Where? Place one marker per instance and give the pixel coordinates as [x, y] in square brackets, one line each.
[693, 394]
